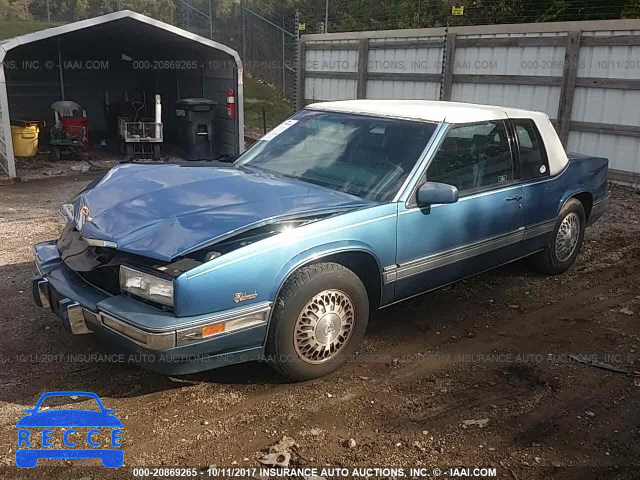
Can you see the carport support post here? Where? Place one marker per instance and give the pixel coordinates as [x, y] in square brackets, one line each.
[6, 124]
[60, 71]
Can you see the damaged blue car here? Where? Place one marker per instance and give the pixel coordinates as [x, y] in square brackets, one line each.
[345, 208]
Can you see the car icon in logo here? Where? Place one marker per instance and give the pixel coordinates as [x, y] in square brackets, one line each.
[94, 421]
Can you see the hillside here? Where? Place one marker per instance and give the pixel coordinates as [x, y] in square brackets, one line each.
[10, 29]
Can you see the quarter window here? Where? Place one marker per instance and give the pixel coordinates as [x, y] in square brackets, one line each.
[473, 157]
[531, 154]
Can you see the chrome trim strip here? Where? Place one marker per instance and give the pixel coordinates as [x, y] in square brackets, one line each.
[539, 229]
[152, 341]
[389, 274]
[455, 281]
[191, 335]
[457, 254]
[76, 317]
[42, 293]
[228, 315]
[224, 316]
[178, 335]
[94, 242]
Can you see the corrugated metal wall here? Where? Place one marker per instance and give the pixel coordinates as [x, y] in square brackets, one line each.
[584, 75]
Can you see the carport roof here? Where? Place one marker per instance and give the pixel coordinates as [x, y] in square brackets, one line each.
[8, 44]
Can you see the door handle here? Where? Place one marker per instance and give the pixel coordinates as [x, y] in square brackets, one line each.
[517, 198]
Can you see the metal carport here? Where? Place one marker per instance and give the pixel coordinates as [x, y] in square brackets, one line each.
[140, 55]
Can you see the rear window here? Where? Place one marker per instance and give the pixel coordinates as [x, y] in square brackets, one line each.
[532, 155]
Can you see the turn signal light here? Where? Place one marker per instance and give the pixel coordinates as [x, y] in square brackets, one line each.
[212, 329]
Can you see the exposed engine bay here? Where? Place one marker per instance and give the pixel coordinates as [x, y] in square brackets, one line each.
[99, 265]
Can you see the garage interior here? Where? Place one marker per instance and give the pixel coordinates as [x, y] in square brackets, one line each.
[107, 64]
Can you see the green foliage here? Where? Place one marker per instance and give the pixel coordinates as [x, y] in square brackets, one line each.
[344, 15]
[4, 9]
[258, 96]
[164, 10]
[12, 28]
[347, 15]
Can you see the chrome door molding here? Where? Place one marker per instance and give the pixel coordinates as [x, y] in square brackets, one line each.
[424, 264]
[539, 229]
[453, 255]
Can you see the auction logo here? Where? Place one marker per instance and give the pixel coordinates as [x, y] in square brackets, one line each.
[99, 429]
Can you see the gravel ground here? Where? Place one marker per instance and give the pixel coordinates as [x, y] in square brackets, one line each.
[491, 349]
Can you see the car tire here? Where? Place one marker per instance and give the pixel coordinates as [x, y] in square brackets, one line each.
[319, 319]
[565, 241]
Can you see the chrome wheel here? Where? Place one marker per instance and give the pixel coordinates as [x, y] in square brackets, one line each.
[567, 237]
[324, 326]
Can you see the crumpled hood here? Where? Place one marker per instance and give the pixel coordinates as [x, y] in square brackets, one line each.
[163, 211]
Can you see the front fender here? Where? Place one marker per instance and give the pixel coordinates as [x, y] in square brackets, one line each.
[318, 252]
[256, 272]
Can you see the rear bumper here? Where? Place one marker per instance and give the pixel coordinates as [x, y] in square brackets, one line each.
[598, 209]
[153, 338]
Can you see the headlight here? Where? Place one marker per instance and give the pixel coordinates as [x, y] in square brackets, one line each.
[146, 286]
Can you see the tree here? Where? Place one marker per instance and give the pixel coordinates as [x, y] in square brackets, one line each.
[164, 10]
[4, 9]
[20, 9]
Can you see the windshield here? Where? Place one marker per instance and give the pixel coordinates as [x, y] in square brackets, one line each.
[364, 156]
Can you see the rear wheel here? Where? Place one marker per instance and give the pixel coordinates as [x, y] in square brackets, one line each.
[565, 242]
[318, 322]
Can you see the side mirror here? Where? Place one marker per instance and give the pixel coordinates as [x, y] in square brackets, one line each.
[435, 192]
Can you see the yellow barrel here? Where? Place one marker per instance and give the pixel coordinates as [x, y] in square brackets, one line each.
[25, 140]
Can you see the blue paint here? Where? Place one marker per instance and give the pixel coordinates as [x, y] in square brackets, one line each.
[165, 211]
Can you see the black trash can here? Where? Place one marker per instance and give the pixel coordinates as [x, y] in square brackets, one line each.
[196, 117]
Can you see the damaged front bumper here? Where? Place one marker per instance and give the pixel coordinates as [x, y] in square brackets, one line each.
[157, 339]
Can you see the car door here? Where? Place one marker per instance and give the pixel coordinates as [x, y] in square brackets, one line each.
[439, 244]
[541, 194]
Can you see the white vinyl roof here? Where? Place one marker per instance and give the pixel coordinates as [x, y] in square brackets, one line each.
[453, 112]
[425, 110]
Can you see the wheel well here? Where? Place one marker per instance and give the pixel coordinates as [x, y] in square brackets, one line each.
[365, 266]
[587, 202]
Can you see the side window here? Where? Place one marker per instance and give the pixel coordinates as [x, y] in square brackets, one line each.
[473, 157]
[531, 153]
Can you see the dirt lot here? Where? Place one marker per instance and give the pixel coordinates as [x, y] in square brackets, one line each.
[493, 347]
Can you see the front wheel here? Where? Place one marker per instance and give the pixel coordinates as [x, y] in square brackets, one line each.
[565, 242]
[319, 320]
